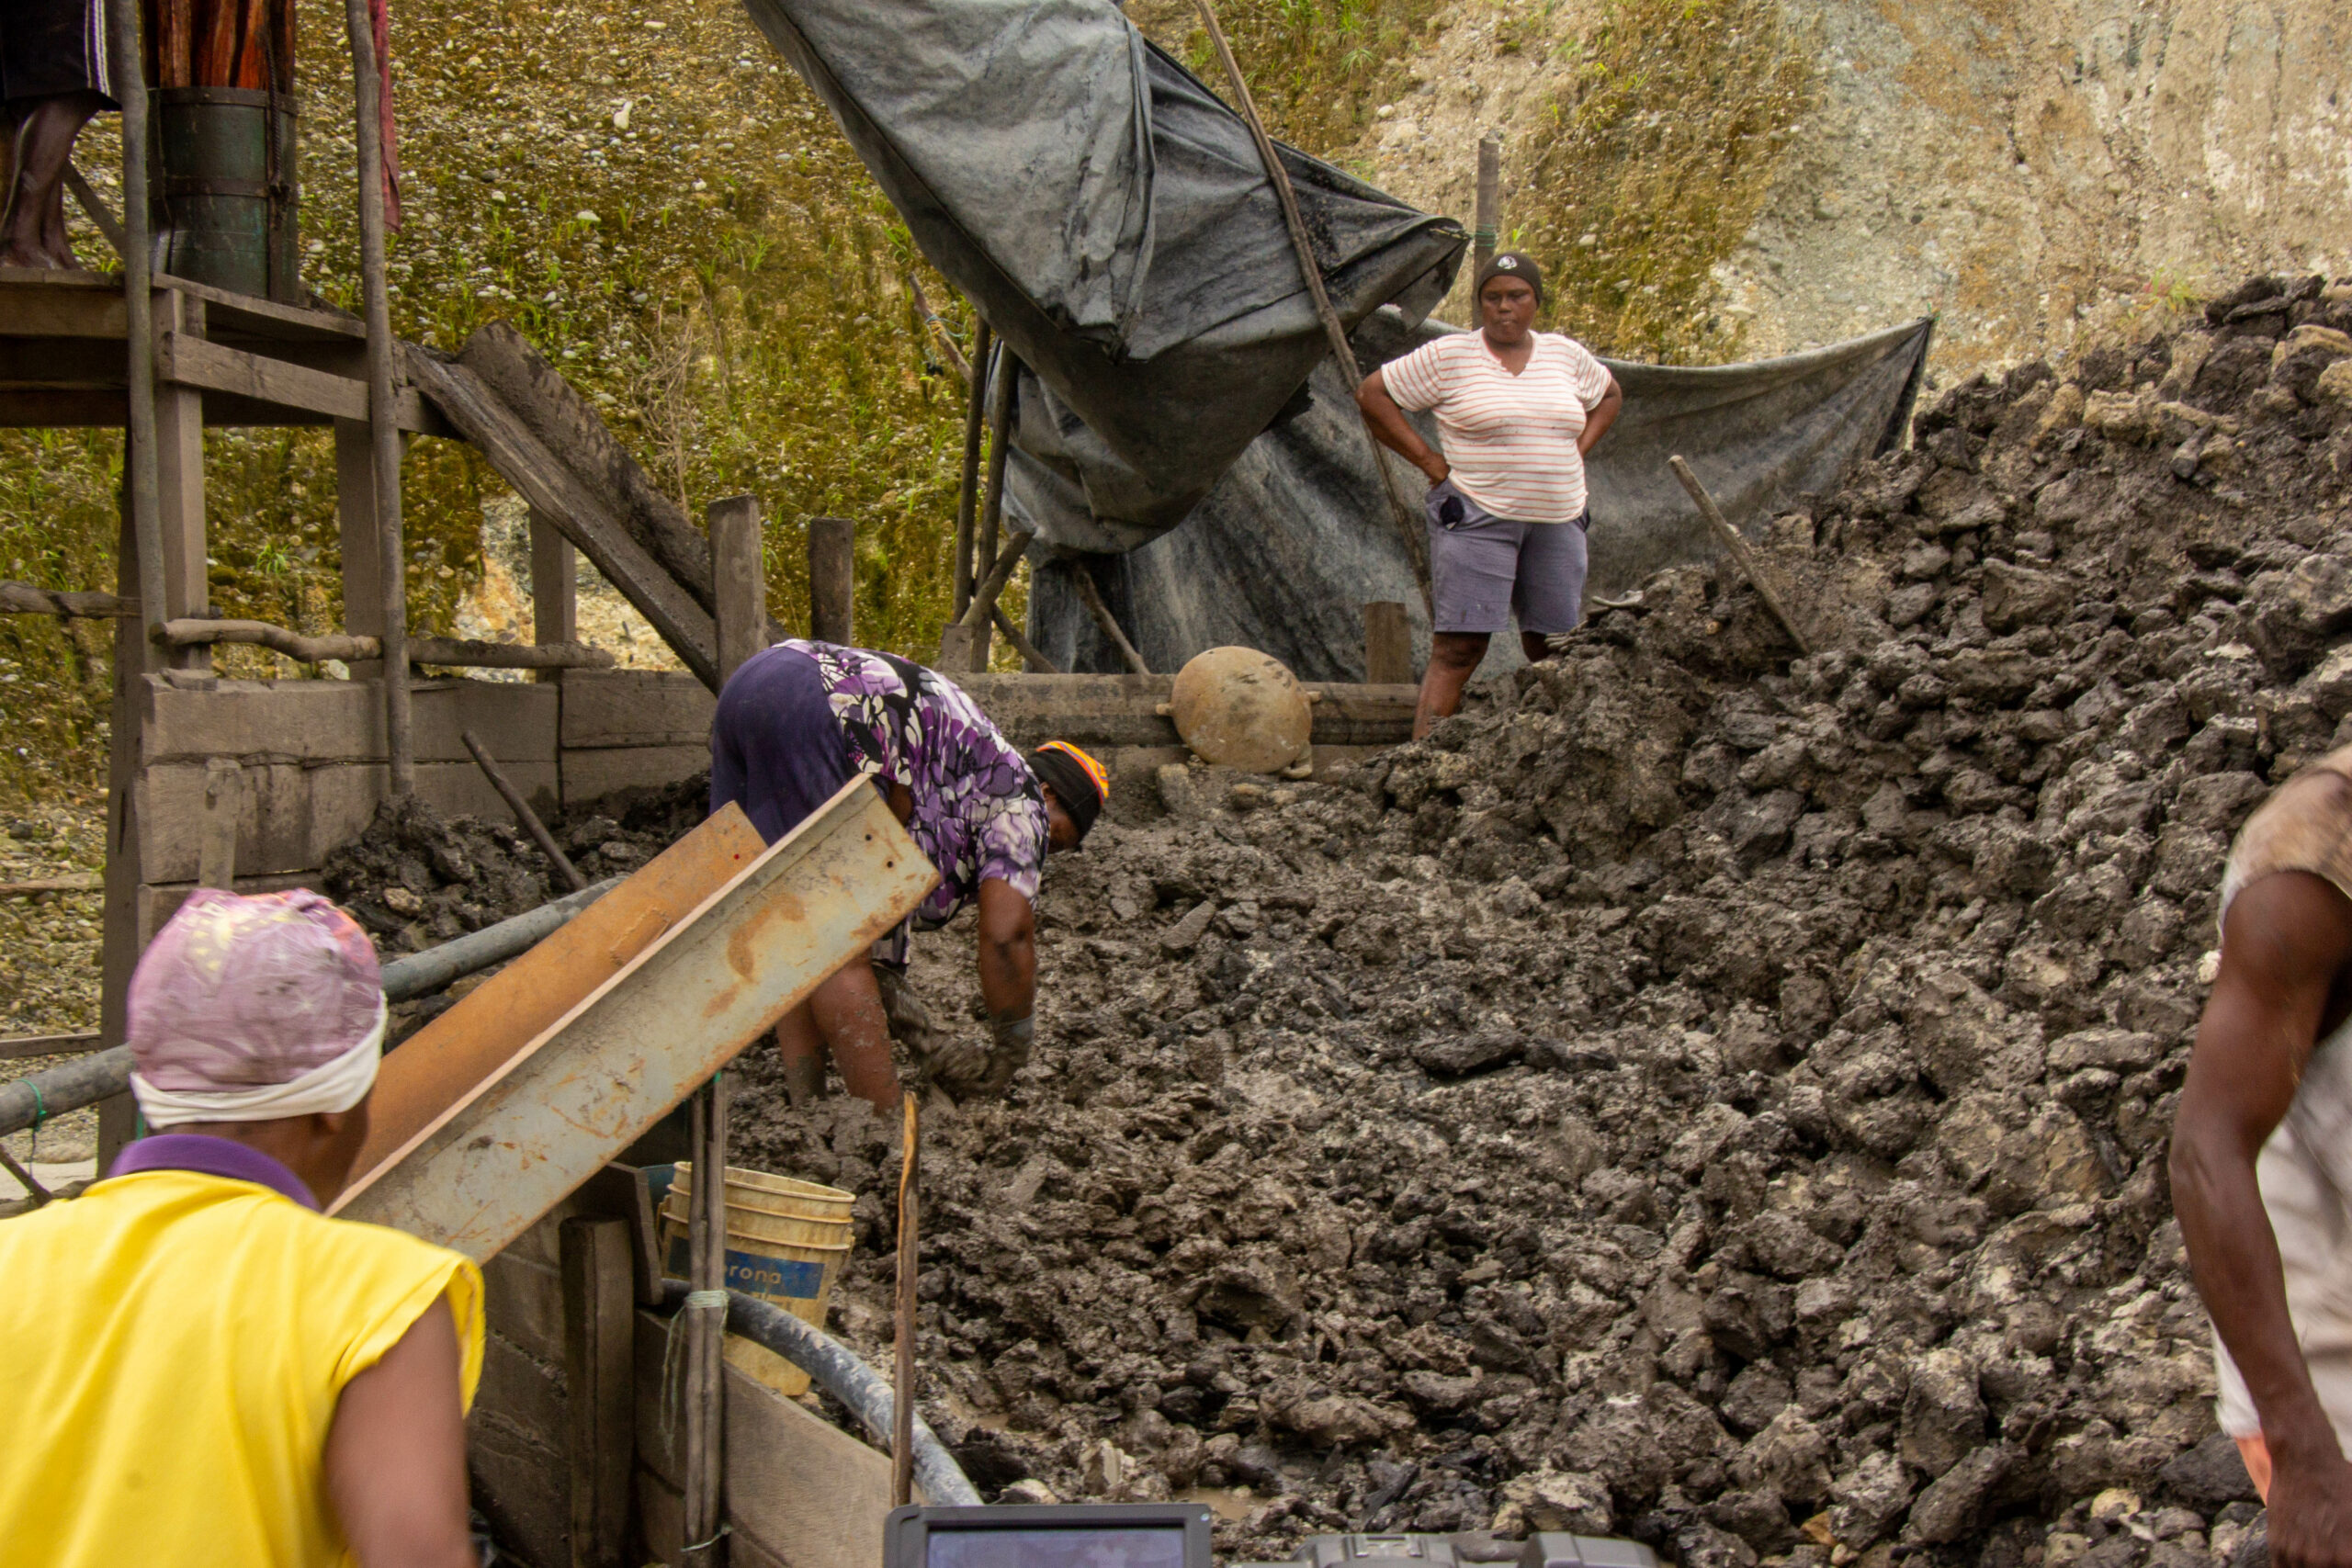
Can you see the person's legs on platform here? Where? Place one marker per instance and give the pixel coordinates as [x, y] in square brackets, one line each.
[46, 127]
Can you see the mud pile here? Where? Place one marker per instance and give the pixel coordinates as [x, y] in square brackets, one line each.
[1702, 1096]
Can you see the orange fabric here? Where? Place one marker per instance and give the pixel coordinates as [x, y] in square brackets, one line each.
[2257, 1454]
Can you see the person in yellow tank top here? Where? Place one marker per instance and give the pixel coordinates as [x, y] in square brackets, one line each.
[202, 1368]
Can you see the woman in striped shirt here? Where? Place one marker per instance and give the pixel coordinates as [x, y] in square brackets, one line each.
[1517, 409]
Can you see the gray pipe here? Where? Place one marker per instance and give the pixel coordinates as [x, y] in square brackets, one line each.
[840, 1372]
[85, 1080]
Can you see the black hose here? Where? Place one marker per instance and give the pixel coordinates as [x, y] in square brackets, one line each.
[101, 1075]
[839, 1371]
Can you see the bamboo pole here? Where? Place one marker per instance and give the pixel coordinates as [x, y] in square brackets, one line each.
[138, 307]
[1409, 524]
[968, 499]
[384, 436]
[903, 1382]
[523, 812]
[1109, 624]
[1736, 547]
[706, 1326]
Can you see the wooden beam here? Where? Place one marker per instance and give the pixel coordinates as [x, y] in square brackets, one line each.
[1743, 558]
[179, 479]
[832, 580]
[585, 515]
[967, 495]
[192, 362]
[456, 652]
[38, 885]
[95, 209]
[555, 583]
[1387, 644]
[523, 812]
[599, 1343]
[24, 1046]
[24, 599]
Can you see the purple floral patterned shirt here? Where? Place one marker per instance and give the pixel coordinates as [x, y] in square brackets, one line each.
[977, 810]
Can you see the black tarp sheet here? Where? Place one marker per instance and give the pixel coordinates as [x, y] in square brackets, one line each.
[1111, 219]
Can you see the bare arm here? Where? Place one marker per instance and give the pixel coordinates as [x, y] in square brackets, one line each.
[2287, 938]
[396, 1454]
[1008, 949]
[1600, 416]
[1394, 431]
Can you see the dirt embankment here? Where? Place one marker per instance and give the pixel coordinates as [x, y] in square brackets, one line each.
[1697, 1095]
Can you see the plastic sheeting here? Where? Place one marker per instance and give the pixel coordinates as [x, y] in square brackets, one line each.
[1297, 536]
[1112, 220]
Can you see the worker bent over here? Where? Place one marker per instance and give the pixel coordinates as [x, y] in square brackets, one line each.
[201, 1367]
[2262, 1159]
[801, 719]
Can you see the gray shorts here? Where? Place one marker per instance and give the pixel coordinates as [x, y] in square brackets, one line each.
[1483, 569]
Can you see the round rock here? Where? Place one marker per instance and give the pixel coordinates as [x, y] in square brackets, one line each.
[1239, 708]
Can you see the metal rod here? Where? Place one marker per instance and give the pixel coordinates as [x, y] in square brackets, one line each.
[1108, 623]
[1741, 555]
[383, 431]
[523, 812]
[968, 499]
[1408, 525]
[902, 1392]
[139, 311]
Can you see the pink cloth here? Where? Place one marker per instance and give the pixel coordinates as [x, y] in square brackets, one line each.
[240, 992]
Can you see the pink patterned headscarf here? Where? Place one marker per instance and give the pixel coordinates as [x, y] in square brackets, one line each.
[239, 993]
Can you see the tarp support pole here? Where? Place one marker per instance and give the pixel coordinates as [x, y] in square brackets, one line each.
[1409, 526]
[968, 499]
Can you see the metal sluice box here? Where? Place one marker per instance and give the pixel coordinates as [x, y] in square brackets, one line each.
[1548, 1550]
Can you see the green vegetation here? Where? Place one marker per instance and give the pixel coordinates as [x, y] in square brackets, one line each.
[657, 203]
[1663, 147]
[1314, 66]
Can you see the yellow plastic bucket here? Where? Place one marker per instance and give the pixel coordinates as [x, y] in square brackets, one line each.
[786, 1240]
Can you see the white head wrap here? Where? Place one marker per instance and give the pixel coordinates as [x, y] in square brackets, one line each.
[337, 1085]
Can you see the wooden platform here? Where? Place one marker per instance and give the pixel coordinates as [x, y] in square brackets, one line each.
[249, 361]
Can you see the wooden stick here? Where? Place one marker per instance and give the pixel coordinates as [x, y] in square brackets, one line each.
[523, 812]
[1408, 523]
[968, 499]
[939, 334]
[1092, 597]
[1000, 573]
[141, 459]
[1037, 662]
[51, 885]
[41, 1195]
[903, 1382]
[456, 652]
[87, 199]
[1008, 371]
[383, 431]
[705, 1327]
[1736, 547]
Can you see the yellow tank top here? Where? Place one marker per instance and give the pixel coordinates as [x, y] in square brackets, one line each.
[173, 1345]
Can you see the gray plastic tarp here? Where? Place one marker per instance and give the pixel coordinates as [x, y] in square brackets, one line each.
[1112, 220]
[1297, 536]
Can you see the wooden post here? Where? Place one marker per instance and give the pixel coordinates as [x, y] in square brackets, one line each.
[706, 1328]
[528, 818]
[224, 806]
[1736, 547]
[383, 430]
[903, 1382]
[1401, 508]
[179, 475]
[1387, 644]
[598, 1344]
[363, 552]
[738, 579]
[1482, 244]
[144, 526]
[832, 580]
[968, 499]
[1008, 372]
[122, 939]
[555, 587]
[1105, 621]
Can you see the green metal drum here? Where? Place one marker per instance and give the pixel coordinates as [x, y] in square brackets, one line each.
[226, 195]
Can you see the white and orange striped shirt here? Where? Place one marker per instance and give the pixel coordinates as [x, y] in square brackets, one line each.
[1510, 440]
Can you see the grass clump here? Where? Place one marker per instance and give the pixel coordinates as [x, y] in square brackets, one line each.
[1314, 67]
[1661, 148]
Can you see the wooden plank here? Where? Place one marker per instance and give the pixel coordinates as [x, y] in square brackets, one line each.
[832, 580]
[1388, 638]
[592, 775]
[60, 363]
[588, 517]
[336, 721]
[620, 1191]
[29, 1046]
[251, 314]
[72, 408]
[33, 303]
[798, 1487]
[1350, 715]
[193, 362]
[599, 1312]
[457, 1050]
[635, 708]
[528, 1392]
[519, 1485]
[661, 1515]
